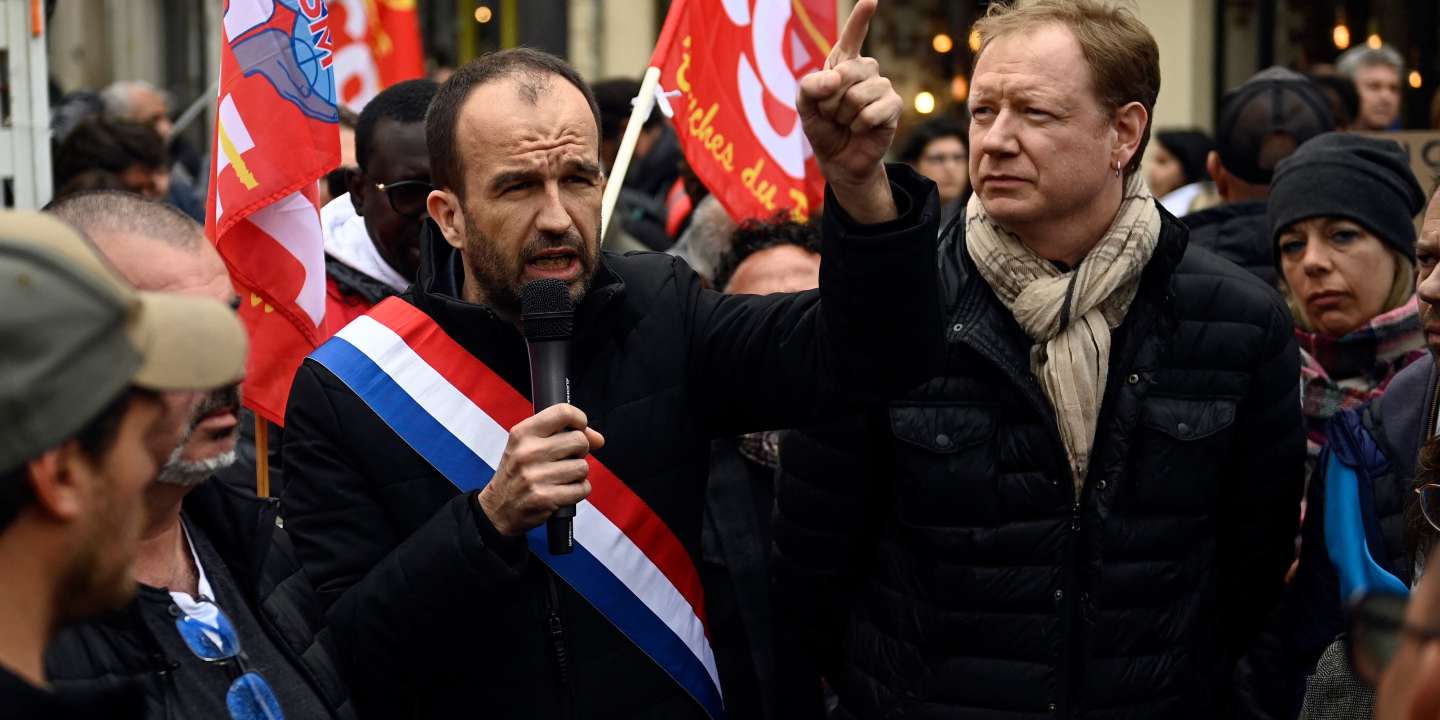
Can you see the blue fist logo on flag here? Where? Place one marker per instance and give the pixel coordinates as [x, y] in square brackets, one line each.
[297, 61]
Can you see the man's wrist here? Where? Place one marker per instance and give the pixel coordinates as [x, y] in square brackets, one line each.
[868, 201]
[483, 499]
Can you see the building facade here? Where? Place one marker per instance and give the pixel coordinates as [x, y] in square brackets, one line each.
[1206, 46]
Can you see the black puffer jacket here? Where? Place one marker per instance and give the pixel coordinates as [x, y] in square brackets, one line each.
[435, 614]
[116, 649]
[960, 577]
[1238, 233]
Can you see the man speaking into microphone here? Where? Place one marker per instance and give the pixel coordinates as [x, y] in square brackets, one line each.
[420, 483]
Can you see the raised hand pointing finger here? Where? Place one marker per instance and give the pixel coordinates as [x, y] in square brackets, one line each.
[850, 113]
[853, 36]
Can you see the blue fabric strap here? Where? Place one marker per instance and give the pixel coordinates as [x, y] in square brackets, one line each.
[1345, 535]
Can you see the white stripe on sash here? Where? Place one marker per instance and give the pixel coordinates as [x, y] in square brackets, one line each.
[487, 439]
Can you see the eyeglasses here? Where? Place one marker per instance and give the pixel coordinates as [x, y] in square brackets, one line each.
[215, 641]
[407, 197]
[1377, 626]
[1429, 497]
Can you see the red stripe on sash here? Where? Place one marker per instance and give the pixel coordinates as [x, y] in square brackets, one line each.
[507, 407]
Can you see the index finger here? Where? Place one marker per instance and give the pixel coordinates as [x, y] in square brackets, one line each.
[853, 36]
[555, 419]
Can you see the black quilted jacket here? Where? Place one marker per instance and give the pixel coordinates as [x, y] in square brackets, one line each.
[937, 559]
[1237, 232]
[436, 615]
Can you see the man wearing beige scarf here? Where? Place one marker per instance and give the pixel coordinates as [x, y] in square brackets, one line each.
[1069, 314]
[1090, 511]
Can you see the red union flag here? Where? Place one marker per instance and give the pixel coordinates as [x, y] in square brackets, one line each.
[737, 64]
[377, 44]
[276, 132]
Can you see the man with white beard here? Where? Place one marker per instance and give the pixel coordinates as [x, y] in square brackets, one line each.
[209, 442]
[213, 556]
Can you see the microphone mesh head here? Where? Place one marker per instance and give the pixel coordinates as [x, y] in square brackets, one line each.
[546, 310]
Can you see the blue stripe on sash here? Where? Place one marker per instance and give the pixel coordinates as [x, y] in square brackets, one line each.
[421, 430]
[626, 611]
[580, 569]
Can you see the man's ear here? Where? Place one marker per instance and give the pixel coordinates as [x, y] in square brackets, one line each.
[355, 181]
[1218, 174]
[445, 209]
[1130, 123]
[56, 483]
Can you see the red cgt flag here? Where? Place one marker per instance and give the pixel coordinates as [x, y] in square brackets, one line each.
[736, 65]
[377, 44]
[276, 132]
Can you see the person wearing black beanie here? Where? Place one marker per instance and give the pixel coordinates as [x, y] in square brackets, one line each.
[1340, 209]
[1341, 217]
[1363, 179]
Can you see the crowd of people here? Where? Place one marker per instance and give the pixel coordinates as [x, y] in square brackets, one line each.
[1048, 432]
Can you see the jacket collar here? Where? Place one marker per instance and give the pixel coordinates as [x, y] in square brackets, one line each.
[239, 526]
[965, 291]
[1405, 413]
[354, 282]
[1247, 211]
[978, 318]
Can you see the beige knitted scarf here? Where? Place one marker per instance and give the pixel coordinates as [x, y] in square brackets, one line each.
[1069, 315]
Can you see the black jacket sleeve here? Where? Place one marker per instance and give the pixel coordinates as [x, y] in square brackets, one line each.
[1306, 622]
[1260, 494]
[828, 506]
[872, 329]
[390, 595]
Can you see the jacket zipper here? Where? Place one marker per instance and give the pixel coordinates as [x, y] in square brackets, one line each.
[1434, 409]
[557, 646]
[270, 516]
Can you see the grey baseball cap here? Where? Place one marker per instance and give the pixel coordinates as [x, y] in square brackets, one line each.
[74, 335]
[1265, 119]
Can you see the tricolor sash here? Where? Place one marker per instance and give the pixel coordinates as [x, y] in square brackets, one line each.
[457, 413]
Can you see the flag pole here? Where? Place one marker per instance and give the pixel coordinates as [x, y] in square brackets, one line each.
[262, 457]
[644, 104]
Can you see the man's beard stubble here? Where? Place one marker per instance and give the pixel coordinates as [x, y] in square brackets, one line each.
[500, 278]
[90, 585]
[188, 473]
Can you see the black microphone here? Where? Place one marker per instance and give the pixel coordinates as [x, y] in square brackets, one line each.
[547, 318]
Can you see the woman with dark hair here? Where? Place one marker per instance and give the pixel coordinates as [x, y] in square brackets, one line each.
[939, 150]
[1177, 168]
[132, 152]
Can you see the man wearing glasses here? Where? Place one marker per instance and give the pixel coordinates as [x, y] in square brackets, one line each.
[1367, 518]
[372, 234]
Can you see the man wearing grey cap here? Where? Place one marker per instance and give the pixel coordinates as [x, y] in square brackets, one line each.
[1261, 123]
[208, 547]
[93, 372]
